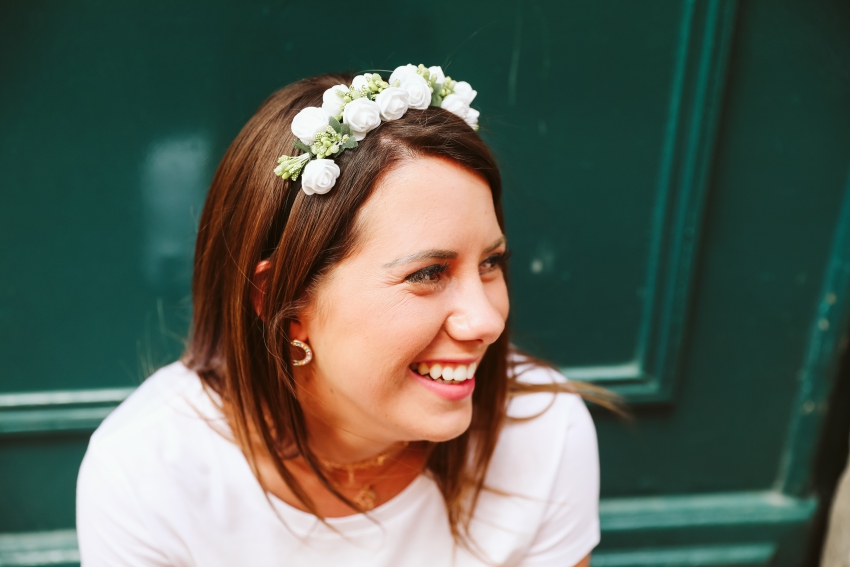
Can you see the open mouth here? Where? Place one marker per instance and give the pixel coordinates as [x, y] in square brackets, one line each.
[445, 373]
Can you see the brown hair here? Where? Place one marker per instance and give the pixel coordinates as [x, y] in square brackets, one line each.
[252, 215]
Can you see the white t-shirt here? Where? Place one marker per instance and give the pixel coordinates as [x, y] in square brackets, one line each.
[160, 486]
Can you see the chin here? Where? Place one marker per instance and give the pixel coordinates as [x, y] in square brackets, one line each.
[446, 427]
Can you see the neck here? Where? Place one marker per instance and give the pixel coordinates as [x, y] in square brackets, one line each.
[336, 445]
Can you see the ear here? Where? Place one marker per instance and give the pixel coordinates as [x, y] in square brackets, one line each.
[258, 290]
[298, 331]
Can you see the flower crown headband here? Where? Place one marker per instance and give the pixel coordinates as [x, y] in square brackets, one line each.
[348, 113]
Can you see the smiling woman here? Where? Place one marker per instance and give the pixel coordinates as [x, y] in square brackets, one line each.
[348, 395]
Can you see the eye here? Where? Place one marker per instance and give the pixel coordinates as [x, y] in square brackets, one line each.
[428, 274]
[494, 261]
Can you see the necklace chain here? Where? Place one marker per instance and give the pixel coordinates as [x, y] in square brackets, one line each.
[366, 496]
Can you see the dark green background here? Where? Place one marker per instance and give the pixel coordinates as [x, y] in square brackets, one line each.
[676, 176]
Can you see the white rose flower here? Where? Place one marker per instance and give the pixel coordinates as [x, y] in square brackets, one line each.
[464, 89]
[472, 117]
[401, 73]
[363, 116]
[456, 104]
[308, 123]
[332, 99]
[319, 176]
[418, 91]
[437, 75]
[359, 82]
[393, 103]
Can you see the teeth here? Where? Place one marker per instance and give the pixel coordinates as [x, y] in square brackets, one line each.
[437, 371]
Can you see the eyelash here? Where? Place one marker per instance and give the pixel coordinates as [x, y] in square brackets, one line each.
[425, 274]
[498, 260]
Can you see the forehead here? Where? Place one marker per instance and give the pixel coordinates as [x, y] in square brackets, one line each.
[428, 202]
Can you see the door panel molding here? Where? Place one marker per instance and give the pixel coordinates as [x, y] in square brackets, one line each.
[696, 92]
[692, 529]
[641, 514]
[58, 410]
[53, 548]
[703, 556]
[827, 342]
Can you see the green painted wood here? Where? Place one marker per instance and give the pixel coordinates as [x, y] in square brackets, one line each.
[69, 410]
[725, 509]
[675, 177]
[697, 83]
[827, 343]
[765, 515]
[765, 245]
[708, 556]
[55, 548]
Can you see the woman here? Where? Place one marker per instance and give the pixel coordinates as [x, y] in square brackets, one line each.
[348, 395]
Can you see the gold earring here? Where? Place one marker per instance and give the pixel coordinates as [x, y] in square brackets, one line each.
[308, 353]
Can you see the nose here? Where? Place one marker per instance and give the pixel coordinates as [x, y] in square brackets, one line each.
[474, 316]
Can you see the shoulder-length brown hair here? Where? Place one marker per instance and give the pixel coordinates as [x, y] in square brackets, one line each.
[251, 215]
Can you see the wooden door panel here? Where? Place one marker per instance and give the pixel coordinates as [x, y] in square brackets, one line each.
[676, 191]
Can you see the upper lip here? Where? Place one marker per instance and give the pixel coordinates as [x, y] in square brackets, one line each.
[447, 361]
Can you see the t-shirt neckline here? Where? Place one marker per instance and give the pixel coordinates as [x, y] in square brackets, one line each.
[353, 523]
[305, 520]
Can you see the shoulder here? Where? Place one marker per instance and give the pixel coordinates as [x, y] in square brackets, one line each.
[544, 430]
[172, 394]
[160, 423]
[547, 461]
[564, 407]
[149, 454]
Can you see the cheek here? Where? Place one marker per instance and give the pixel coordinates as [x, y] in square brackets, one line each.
[382, 332]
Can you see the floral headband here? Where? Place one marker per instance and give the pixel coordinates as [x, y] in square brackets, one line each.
[348, 113]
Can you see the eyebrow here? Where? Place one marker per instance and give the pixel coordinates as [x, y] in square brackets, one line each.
[437, 254]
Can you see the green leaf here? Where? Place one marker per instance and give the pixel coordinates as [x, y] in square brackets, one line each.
[349, 145]
[436, 100]
[299, 145]
[345, 130]
[334, 123]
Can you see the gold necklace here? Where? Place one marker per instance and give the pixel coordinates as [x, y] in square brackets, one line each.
[366, 496]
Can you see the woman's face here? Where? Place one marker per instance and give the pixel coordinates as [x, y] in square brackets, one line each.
[422, 292]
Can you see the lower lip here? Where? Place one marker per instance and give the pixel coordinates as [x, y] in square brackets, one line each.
[451, 392]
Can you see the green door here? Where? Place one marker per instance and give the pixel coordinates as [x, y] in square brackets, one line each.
[678, 202]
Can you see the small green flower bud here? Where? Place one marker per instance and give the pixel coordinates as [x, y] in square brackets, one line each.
[333, 149]
[346, 99]
[376, 77]
[326, 143]
[285, 175]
